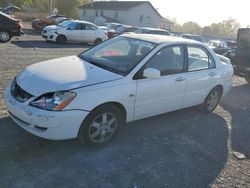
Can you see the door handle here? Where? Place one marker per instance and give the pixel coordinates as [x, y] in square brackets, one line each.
[180, 79]
[212, 74]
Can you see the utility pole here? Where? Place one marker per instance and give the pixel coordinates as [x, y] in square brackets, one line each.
[50, 9]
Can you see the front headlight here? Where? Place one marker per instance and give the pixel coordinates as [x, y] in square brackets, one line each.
[55, 101]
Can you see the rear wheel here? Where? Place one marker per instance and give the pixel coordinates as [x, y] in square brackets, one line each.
[5, 36]
[97, 41]
[212, 100]
[61, 39]
[100, 125]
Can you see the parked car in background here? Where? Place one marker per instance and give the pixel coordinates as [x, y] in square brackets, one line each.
[124, 29]
[119, 29]
[39, 24]
[9, 27]
[108, 30]
[124, 79]
[240, 57]
[112, 25]
[149, 30]
[232, 45]
[51, 28]
[10, 9]
[218, 46]
[78, 31]
[193, 37]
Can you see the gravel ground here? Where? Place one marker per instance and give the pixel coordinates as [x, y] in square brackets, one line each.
[185, 148]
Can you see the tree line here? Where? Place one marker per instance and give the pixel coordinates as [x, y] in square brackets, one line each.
[226, 28]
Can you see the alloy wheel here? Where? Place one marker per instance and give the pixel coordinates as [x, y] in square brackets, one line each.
[213, 100]
[102, 127]
[4, 36]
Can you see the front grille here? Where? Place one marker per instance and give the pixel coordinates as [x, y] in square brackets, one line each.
[18, 93]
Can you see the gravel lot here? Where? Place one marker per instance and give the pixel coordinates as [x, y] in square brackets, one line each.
[185, 148]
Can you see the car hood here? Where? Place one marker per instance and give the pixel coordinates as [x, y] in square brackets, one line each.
[62, 74]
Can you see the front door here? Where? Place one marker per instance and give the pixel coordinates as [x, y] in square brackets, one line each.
[156, 96]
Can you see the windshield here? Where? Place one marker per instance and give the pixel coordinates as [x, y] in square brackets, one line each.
[243, 39]
[119, 55]
[64, 23]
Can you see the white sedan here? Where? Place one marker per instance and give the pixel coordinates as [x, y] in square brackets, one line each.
[124, 79]
[77, 31]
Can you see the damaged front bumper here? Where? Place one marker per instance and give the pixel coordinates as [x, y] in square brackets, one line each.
[54, 125]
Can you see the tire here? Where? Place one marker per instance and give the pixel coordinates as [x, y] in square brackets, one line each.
[97, 41]
[247, 78]
[212, 100]
[61, 39]
[101, 125]
[5, 36]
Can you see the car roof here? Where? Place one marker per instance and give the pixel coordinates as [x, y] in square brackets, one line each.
[158, 39]
[216, 41]
[151, 29]
[2, 13]
[85, 22]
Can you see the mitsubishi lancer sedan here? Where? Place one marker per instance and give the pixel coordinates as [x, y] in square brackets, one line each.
[127, 78]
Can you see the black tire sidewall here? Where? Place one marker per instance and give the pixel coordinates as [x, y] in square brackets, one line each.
[83, 134]
[97, 41]
[61, 39]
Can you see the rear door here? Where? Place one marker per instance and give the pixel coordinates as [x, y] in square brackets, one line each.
[201, 75]
[91, 33]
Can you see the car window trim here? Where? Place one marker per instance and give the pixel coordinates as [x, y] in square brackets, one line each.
[138, 74]
[207, 52]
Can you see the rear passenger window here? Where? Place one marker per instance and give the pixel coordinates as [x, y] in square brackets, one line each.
[199, 59]
[90, 27]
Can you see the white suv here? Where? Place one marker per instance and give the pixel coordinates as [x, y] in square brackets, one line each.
[78, 31]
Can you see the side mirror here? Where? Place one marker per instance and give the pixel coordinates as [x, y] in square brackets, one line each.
[151, 73]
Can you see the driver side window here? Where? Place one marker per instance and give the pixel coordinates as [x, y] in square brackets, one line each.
[169, 60]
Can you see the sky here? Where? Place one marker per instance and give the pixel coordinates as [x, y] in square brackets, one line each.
[204, 12]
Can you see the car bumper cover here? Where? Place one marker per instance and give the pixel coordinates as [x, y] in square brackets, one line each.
[52, 125]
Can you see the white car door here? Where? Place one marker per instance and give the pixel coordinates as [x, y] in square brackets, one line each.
[90, 33]
[76, 33]
[156, 96]
[201, 75]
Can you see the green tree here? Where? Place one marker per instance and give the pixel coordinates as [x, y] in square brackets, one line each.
[69, 8]
[192, 27]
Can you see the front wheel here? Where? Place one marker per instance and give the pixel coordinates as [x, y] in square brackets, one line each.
[101, 125]
[212, 100]
[4, 36]
[61, 39]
